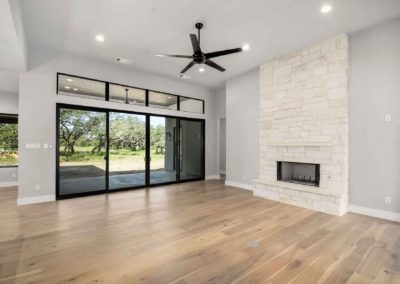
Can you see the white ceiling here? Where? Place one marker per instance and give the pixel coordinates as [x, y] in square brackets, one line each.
[137, 29]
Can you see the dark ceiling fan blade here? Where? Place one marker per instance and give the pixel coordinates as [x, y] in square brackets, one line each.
[173, 55]
[195, 43]
[187, 67]
[214, 65]
[223, 52]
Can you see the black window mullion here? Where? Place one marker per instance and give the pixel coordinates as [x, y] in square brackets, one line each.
[107, 91]
[58, 75]
[147, 98]
[107, 157]
[179, 103]
[147, 152]
[178, 149]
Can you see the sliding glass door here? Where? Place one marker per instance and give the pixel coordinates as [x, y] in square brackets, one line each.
[82, 151]
[191, 149]
[163, 149]
[100, 150]
[127, 150]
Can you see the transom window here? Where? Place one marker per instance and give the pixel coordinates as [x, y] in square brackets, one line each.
[71, 85]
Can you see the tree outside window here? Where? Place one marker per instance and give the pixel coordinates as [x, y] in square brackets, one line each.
[8, 140]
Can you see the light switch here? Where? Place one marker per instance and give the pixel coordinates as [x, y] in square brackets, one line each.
[388, 117]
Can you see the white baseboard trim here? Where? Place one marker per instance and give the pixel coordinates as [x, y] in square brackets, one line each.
[381, 214]
[213, 177]
[239, 185]
[8, 183]
[36, 199]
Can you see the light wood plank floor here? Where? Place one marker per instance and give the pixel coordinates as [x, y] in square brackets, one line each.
[190, 233]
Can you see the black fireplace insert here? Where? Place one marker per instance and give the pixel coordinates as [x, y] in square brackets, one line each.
[301, 173]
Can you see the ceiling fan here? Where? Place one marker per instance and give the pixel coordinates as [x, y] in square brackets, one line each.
[200, 57]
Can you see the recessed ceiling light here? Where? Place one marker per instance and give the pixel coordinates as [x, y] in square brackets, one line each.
[169, 97]
[123, 60]
[245, 47]
[69, 80]
[325, 9]
[75, 89]
[202, 69]
[183, 76]
[100, 38]
[67, 87]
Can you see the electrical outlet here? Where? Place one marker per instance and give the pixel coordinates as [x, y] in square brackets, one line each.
[388, 200]
[388, 117]
[37, 187]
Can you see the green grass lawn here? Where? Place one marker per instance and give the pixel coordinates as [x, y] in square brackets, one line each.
[83, 154]
[8, 159]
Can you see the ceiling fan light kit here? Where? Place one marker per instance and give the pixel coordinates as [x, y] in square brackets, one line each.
[199, 57]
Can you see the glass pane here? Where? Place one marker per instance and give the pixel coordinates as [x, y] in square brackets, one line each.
[191, 105]
[163, 149]
[82, 151]
[127, 150]
[78, 87]
[191, 156]
[127, 95]
[8, 143]
[161, 100]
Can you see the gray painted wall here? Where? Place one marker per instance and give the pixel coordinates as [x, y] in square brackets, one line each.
[242, 128]
[8, 104]
[221, 124]
[221, 102]
[37, 111]
[374, 92]
[222, 145]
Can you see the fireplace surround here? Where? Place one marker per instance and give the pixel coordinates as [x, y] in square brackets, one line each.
[304, 119]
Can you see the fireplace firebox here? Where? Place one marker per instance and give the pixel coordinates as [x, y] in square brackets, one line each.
[301, 173]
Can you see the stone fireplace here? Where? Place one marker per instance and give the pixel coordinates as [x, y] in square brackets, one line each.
[304, 132]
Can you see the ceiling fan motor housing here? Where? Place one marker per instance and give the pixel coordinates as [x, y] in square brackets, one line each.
[199, 26]
[198, 57]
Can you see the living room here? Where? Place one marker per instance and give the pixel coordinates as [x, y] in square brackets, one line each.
[186, 142]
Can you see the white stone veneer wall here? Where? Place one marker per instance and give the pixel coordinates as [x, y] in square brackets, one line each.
[304, 118]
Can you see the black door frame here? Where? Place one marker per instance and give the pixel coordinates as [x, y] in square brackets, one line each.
[107, 111]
